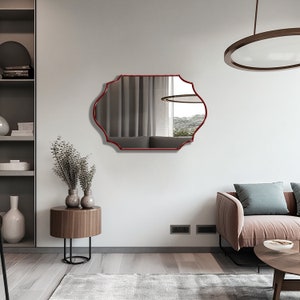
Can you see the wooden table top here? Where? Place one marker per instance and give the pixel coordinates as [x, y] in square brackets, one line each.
[287, 261]
[75, 222]
[74, 209]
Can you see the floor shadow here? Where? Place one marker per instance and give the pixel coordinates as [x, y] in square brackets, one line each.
[245, 257]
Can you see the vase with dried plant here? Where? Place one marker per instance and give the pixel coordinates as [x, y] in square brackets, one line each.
[67, 167]
[85, 178]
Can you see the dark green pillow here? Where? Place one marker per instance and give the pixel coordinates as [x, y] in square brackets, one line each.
[262, 198]
[296, 190]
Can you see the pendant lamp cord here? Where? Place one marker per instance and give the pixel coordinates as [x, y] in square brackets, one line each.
[255, 18]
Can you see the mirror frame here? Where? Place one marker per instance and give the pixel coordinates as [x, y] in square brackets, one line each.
[103, 93]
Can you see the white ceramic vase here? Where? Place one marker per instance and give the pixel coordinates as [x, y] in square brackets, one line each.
[87, 201]
[13, 227]
[4, 127]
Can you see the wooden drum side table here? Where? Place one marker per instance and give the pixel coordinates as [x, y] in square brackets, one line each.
[69, 223]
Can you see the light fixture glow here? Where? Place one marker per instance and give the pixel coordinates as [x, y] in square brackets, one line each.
[270, 50]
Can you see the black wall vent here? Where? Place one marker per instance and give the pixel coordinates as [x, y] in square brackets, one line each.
[206, 229]
[180, 229]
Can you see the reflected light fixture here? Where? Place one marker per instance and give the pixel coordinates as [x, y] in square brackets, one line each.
[265, 51]
[183, 98]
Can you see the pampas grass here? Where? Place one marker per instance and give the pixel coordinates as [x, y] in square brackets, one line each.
[70, 167]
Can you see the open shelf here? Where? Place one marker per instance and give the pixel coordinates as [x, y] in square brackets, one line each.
[19, 82]
[22, 244]
[16, 138]
[16, 14]
[16, 173]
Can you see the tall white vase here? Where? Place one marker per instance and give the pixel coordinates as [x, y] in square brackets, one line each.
[13, 227]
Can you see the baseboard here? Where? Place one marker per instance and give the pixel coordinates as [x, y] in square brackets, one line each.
[117, 250]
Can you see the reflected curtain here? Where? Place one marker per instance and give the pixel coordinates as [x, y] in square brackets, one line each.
[132, 107]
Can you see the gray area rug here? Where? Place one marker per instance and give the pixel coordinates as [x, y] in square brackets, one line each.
[167, 287]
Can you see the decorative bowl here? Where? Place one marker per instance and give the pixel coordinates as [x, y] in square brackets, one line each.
[278, 245]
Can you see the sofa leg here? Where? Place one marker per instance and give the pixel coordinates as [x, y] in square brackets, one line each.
[220, 245]
[235, 257]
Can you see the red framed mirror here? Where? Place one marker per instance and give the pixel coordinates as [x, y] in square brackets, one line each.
[149, 112]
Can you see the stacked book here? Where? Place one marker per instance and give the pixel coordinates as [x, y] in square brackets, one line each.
[24, 129]
[17, 72]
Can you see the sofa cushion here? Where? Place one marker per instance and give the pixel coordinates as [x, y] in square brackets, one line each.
[296, 190]
[262, 198]
[259, 228]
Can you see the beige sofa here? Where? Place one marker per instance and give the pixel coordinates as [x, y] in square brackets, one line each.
[247, 231]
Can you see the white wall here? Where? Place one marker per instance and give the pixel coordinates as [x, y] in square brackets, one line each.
[251, 133]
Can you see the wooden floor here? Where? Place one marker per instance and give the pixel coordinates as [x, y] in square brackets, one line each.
[35, 276]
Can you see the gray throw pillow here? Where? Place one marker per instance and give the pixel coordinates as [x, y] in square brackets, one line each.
[262, 198]
[296, 190]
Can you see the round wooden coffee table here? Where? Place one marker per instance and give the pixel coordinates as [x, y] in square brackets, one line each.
[286, 261]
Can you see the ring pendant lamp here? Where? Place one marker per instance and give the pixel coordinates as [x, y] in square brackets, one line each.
[265, 51]
[184, 98]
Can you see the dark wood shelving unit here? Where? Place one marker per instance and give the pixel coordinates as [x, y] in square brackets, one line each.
[17, 104]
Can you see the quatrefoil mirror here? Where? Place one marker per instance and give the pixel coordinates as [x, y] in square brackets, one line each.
[149, 112]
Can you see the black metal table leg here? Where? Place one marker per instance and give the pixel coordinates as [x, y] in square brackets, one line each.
[82, 259]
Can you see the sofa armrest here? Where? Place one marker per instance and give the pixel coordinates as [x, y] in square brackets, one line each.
[230, 218]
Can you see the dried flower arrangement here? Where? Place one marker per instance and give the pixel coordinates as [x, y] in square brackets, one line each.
[66, 162]
[70, 166]
[86, 174]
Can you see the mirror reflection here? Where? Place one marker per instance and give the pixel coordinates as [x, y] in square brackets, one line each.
[149, 112]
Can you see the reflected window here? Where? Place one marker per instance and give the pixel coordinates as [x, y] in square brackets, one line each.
[184, 117]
